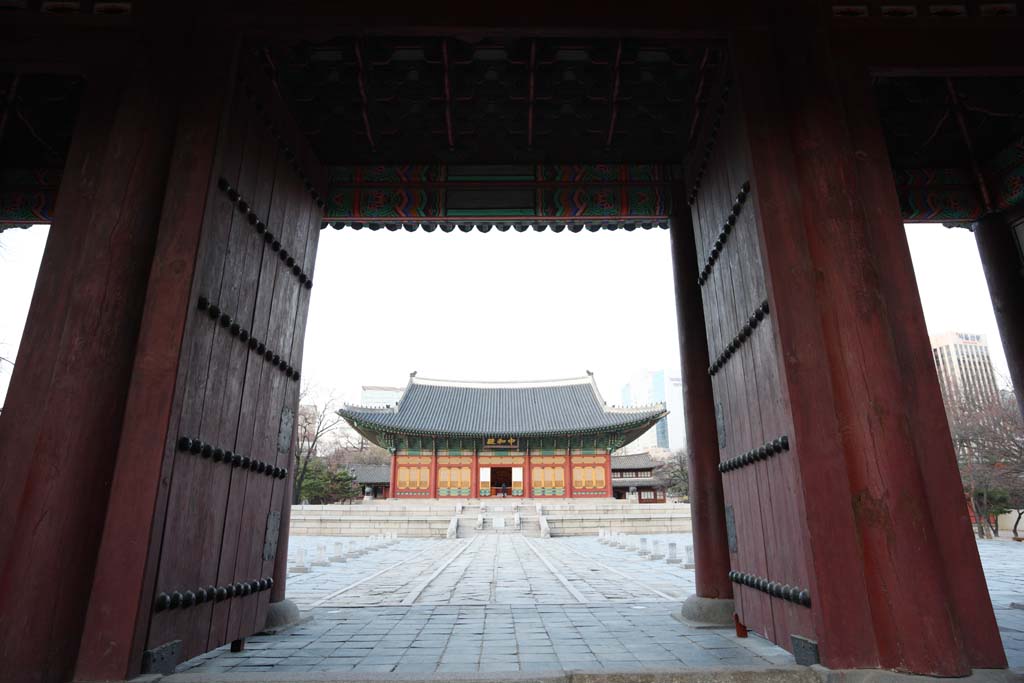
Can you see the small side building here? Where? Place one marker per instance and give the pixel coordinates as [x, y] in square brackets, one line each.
[375, 477]
[635, 474]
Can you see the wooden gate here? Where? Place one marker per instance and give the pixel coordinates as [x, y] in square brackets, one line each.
[228, 447]
[764, 510]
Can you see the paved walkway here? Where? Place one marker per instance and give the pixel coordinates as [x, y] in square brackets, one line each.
[1004, 570]
[506, 603]
[502, 569]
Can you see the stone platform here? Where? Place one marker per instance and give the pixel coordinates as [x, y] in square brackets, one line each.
[434, 518]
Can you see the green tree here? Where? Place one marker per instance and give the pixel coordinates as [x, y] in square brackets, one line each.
[315, 485]
[324, 484]
[344, 486]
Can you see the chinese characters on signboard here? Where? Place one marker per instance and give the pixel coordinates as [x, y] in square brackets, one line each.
[501, 442]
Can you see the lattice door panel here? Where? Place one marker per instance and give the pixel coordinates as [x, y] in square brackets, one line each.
[764, 519]
[237, 393]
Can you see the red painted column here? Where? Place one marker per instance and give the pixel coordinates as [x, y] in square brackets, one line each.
[60, 430]
[527, 474]
[567, 475]
[883, 523]
[394, 475]
[707, 502]
[433, 473]
[474, 475]
[1004, 272]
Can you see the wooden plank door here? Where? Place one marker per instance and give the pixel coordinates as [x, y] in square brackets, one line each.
[768, 547]
[232, 423]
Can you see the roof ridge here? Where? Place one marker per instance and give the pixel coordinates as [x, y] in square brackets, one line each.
[563, 381]
[348, 407]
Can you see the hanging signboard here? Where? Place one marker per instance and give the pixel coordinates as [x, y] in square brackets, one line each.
[501, 442]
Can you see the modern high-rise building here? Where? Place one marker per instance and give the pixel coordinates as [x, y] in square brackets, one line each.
[964, 367]
[657, 386]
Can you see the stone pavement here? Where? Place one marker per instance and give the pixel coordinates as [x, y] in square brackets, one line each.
[488, 569]
[1004, 570]
[505, 603]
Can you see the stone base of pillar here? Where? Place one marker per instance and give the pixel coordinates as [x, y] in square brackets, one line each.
[707, 612]
[826, 675]
[282, 615]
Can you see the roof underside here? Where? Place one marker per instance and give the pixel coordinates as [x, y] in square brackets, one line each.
[447, 99]
[934, 126]
[494, 99]
[505, 409]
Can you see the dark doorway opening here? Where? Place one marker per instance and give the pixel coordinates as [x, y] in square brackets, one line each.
[501, 480]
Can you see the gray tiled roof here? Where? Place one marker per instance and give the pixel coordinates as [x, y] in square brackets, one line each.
[637, 461]
[626, 482]
[444, 407]
[371, 474]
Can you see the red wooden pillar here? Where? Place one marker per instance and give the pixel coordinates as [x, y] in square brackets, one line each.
[60, 428]
[474, 474]
[707, 504]
[527, 474]
[887, 540]
[394, 474]
[1004, 272]
[433, 469]
[567, 492]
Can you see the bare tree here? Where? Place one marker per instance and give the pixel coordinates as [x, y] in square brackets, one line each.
[352, 448]
[674, 474]
[989, 439]
[315, 423]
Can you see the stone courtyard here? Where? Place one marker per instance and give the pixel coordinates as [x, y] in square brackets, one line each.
[501, 603]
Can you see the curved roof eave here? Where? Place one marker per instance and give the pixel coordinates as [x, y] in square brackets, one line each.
[368, 425]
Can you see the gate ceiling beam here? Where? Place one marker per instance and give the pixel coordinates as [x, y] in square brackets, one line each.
[961, 121]
[447, 95]
[530, 96]
[9, 96]
[361, 80]
[616, 73]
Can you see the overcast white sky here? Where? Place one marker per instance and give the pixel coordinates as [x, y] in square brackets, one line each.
[510, 305]
[490, 306]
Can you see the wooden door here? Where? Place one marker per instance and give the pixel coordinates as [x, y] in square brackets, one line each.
[768, 547]
[229, 440]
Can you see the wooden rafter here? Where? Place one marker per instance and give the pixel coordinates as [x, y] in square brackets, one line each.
[615, 94]
[531, 95]
[361, 78]
[447, 95]
[965, 133]
[699, 98]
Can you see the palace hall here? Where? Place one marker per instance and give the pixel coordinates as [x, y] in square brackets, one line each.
[539, 439]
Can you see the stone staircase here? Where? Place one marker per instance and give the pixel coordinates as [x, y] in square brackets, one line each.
[501, 518]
